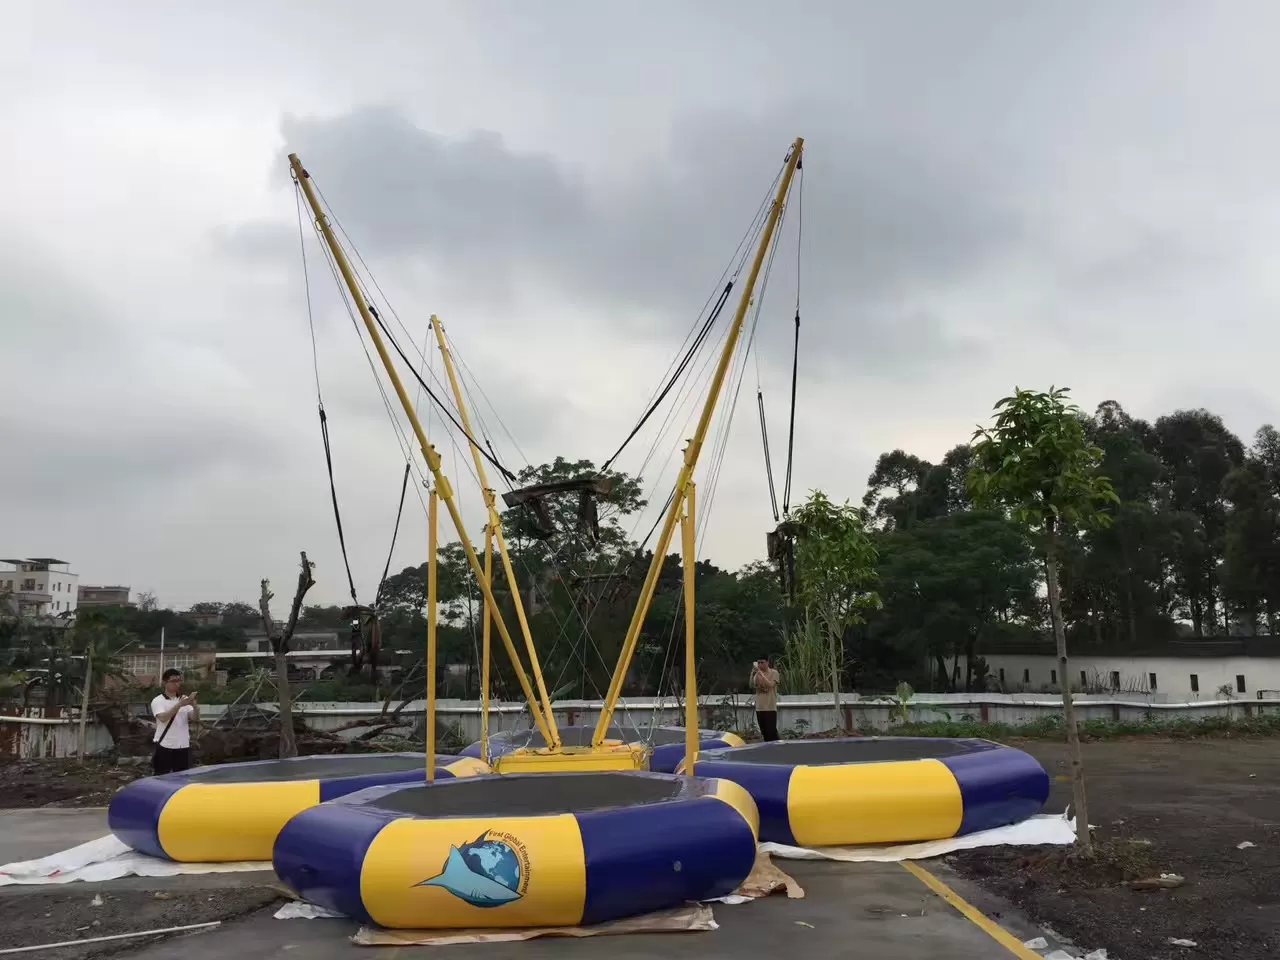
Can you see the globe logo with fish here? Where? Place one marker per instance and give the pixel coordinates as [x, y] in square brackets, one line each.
[491, 870]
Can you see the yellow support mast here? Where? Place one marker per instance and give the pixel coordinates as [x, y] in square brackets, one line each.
[540, 709]
[685, 479]
[433, 579]
[689, 559]
[486, 642]
[495, 529]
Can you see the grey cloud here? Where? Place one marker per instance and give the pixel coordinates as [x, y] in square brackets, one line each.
[137, 458]
[880, 218]
[992, 190]
[94, 405]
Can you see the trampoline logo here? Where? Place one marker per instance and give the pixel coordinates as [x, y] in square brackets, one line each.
[491, 870]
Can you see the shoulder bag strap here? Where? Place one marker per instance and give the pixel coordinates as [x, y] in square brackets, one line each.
[172, 717]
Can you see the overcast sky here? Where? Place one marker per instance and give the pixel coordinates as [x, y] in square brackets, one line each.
[996, 193]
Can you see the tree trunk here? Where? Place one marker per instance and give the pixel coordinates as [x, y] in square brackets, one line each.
[1131, 610]
[1133, 614]
[837, 648]
[288, 743]
[84, 704]
[280, 646]
[1079, 801]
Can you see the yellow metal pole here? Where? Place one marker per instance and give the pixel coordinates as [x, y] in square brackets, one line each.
[433, 579]
[429, 453]
[495, 524]
[690, 563]
[486, 634]
[694, 448]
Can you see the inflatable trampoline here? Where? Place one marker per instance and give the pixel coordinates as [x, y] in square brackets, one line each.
[233, 811]
[547, 849]
[667, 742]
[815, 793]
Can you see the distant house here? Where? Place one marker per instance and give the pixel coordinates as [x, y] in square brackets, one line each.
[202, 619]
[1210, 669]
[146, 664]
[104, 596]
[39, 587]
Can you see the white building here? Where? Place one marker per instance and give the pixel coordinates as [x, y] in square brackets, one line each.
[1244, 668]
[39, 587]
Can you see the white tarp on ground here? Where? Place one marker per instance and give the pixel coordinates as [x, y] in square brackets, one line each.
[1042, 829]
[109, 859]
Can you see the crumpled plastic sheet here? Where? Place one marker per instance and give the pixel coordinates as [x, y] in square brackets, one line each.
[690, 918]
[1043, 829]
[107, 858]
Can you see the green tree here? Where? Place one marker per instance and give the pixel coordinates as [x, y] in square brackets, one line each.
[1036, 461]
[98, 648]
[577, 590]
[1198, 452]
[953, 583]
[1116, 590]
[904, 490]
[836, 571]
[1250, 572]
[739, 618]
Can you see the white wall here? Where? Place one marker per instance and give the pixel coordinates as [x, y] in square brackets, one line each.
[61, 587]
[1172, 674]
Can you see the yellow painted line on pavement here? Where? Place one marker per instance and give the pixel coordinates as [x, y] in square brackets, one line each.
[971, 913]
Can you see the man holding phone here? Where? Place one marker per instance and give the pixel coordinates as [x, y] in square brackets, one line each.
[765, 681]
[173, 713]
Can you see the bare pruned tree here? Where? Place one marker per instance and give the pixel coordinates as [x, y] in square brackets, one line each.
[280, 647]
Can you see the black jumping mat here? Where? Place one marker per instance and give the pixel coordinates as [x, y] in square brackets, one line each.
[827, 752]
[308, 768]
[533, 795]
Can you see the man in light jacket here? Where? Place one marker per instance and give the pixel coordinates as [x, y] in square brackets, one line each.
[764, 679]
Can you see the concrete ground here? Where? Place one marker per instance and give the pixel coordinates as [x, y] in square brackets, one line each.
[33, 833]
[873, 910]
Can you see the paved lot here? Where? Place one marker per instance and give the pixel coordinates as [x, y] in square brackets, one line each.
[871, 910]
[28, 834]
[867, 910]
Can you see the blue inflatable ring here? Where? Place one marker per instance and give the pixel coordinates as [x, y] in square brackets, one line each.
[667, 742]
[233, 811]
[545, 849]
[857, 790]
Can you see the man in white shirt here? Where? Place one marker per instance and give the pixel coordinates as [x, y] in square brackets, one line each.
[173, 713]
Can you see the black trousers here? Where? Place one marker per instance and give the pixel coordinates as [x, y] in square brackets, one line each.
[170, 760]
[768, 721]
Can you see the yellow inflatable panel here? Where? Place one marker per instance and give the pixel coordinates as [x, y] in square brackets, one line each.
[877, 803]
[866, 790]
[234, 811]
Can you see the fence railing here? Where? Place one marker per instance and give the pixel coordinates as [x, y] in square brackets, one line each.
[35, 734]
